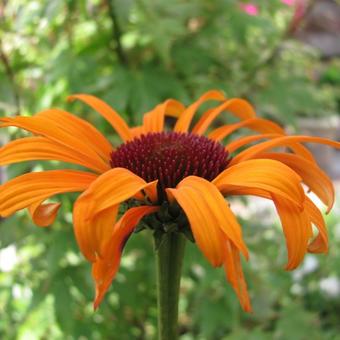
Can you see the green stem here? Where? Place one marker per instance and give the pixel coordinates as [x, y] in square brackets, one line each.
[169, 258]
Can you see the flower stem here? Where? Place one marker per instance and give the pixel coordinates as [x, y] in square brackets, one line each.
[169, 258]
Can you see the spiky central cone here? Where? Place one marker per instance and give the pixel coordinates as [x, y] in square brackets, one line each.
[169, 157]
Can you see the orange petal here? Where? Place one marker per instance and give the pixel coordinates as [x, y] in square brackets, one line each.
[320, 243]
[44, 215]
[34, 187]
[154, 120]
[136, 131]
[92, 233]
[264, 174]
[210, 217]
[95, 210]
[296, 228]
[113, 187]
[104, 269]
[238, 143]
[107, 112]
[45, 127]
[238, 107]
[316, 179]
[151, 192]
[253, 151]
[34, 148]
[183, 123]
[234, 273]
[256, 124]
[80, 128]
[299, 222]
[296, 147]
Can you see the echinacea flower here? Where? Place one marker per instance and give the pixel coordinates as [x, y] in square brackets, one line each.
[181, 177]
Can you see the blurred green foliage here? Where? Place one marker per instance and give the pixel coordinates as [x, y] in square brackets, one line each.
[134, 54]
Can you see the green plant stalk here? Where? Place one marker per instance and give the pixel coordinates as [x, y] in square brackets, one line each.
[169, 258]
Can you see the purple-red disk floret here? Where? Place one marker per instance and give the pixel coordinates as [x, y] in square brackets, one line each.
[171, 156]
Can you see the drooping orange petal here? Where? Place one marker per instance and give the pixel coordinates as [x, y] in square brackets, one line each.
[113, 187]
[154, 120]
[316, 179]
[95, 210]
[295, 221]
[210, 217]
[34, 148]
[80, 128]
[184, 121]
[107, 112]
[320, 243]
[281, 141]
[296, 228]
[264, 174]
[234, 273]
[104, 269]
[207, 236]
[34, 187]
[257, 124]
[44, 215]
[45, 127]
[92, 233]
[238, 107]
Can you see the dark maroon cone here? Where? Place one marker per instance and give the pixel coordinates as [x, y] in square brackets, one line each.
[170, 157]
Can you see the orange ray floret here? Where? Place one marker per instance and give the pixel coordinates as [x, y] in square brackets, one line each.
[264, 174]
[238, 107]
[34, 187]
[234, 273]
[184, 121]
[256, 124]
[96, 209]
[44, 127]
[154, 120]
[296, 147]
[316, 179]
[281, 141]
[209, 217]
[107, 112]
[43, 215]
[105, 268]
[34, 148]
[115, 186]
[320, 243]
[296, 228]
[80, 128]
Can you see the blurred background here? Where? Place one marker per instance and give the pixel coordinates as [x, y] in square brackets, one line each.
[282, 55]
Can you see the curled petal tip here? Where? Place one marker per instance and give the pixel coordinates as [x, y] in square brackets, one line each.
[291, 266]
[43, 215]
[71, 98]
[96, 305]
[245, 253]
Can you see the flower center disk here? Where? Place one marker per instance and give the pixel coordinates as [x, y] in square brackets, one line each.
[171, 156]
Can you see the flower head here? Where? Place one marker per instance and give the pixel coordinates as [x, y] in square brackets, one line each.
[178, 180]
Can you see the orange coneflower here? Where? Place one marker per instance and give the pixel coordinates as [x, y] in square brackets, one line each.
[181, 173]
